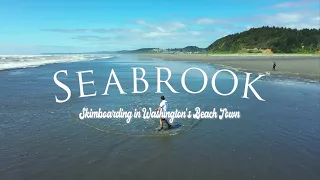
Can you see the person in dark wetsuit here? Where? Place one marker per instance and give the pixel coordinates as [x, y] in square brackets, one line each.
[274, 66]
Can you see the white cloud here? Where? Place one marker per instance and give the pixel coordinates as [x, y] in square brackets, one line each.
[156, 34]
[297, 20]
[195, 33]
[294, 4]
[160, 29]
[287, 5]
[316, 19]
[141, 22]
[206, 21]
[285, 18]
[177, 25]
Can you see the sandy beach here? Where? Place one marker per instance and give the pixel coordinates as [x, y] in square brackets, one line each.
[298, 66]
[42, 139]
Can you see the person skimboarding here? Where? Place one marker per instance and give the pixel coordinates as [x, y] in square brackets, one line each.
[164, 107]
[274, 66]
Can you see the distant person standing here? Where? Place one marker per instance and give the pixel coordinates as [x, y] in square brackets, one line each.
[164, 107]
[274, 66]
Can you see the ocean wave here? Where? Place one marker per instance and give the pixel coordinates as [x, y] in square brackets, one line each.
[25, 61]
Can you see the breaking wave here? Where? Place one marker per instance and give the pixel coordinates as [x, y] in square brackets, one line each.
[24, 61]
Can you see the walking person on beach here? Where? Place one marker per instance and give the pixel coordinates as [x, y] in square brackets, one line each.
[274, 66]
[164, 107]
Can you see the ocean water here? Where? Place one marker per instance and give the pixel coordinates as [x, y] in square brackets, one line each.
[24, 61]
[42, 139]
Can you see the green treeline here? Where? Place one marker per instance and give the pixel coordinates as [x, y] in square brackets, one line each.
[277, 39]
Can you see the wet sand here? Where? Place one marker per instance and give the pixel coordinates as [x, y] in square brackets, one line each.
[42, 140]
[298, 66]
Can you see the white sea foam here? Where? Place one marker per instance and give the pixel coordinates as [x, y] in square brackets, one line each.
[25, 61]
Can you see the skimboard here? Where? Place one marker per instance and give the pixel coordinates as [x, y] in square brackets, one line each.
[172, 131]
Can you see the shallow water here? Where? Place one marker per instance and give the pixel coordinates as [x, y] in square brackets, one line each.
[41, 139]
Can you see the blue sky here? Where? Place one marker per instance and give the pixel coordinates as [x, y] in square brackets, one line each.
[37, 26]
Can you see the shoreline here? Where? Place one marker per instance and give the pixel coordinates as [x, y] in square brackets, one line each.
[288, 65]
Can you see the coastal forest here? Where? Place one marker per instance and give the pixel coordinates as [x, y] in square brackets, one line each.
[274, 39]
